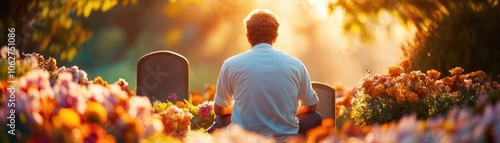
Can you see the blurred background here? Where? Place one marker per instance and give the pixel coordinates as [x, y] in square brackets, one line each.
[337, 40]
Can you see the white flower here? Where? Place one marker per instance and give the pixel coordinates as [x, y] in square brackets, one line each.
[140, 106]
[152, 125]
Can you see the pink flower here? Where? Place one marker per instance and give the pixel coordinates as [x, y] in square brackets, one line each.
[204, 109]
[33, 87]
[70, 94]
[172, 97]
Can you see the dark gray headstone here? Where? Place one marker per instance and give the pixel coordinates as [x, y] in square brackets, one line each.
[326, 95]
[163, 73]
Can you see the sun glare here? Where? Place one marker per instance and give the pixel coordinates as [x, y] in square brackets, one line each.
[319, 9]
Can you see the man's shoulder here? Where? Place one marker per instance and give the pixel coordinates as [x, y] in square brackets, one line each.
[291, 58]
[235, 58]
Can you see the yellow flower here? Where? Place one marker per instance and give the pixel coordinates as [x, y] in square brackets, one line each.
[456, 71]
[395, 71]
[69, 118]
[95, 113]
[406, 65]
[433, 74]
[98, 80]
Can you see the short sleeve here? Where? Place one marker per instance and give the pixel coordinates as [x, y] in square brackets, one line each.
[307, 96]
[224, 91]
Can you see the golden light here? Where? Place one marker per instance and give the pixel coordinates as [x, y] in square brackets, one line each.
[312, 32]
[319, 9]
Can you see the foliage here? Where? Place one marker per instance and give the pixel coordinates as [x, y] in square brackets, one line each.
[467, 37]
[51, 26]
[386, 98]
[421, 13]
[450, 33]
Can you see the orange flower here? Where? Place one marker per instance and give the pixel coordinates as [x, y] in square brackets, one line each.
[367, 84]
[390, 101]
[463, 77]
[412, 76]
[433, 74]
[430, 83]
[421, 76]
[422, 91]
[395, 71]
[406, 65]
[412, 97]
[472, 75]
[180, 104]
[391, 91]
[482, 74]
[456, 71]
[321, 132]
[196, 99]
[95, 133]
[378, 90]
[400, 99]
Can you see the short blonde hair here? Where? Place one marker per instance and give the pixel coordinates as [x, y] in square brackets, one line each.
[262, 26]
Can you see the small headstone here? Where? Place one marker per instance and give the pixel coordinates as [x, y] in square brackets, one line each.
[326, 95]
[163, 75]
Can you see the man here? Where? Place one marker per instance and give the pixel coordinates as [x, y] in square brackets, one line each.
[266, 86]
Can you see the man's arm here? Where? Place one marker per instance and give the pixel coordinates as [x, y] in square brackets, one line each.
[222, 111]
[306, 109]
[307, 96]
[224, 93]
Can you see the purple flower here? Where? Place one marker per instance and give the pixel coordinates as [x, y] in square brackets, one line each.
[172, 97]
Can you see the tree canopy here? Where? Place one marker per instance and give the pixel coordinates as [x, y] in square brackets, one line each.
[450, 32]
[51, 26]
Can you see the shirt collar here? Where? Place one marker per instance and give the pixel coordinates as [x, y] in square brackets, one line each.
[263, 46]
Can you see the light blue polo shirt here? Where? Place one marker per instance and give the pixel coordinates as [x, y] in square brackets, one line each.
[265, 85]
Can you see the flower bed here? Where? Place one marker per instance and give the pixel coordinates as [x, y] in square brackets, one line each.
[385, 98]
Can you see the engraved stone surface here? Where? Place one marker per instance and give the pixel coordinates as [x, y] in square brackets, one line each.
[326, 95]
[163, 75]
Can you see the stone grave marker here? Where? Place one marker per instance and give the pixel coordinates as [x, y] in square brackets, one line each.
[326, 95]
[163, 75]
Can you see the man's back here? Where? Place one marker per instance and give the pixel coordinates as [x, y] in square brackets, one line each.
[266, 84]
